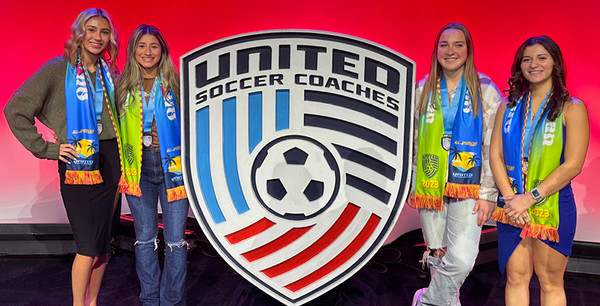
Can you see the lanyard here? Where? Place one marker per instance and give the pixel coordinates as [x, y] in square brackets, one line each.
[98, 90]
[148, 108]
[449, 110]
[530, 125]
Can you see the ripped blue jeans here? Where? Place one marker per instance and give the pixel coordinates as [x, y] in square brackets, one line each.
[455, 228]
[168, 289]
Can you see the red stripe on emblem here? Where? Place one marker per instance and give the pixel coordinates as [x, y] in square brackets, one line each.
[249, 231]
[340, 259]
[276, 244]
[327, 239]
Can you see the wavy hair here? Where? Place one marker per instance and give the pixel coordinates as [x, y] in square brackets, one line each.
[436, 70]
[73, 45]
[132, 72]
[518, 85]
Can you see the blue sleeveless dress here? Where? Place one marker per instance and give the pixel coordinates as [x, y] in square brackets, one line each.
[509, 236]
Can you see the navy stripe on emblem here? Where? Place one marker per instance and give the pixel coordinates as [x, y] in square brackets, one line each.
[353, 104]
[355, 130]
[366, 160]
[368, 188]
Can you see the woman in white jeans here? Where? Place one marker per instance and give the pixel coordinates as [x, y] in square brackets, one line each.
[453, 184]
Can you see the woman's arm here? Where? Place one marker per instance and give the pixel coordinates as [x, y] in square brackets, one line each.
[27, 103]
[497, 156]
[488, 193]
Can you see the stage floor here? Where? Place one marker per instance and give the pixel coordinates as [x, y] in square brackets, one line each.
[390, 278]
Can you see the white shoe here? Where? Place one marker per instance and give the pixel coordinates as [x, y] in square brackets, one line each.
[418, 297]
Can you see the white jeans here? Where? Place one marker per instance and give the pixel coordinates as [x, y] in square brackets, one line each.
[456, 229]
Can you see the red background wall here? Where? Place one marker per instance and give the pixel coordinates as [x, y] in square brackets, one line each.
[35, 31]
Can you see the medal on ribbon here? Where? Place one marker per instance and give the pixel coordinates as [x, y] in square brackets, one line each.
[446, 141]
[147, 139]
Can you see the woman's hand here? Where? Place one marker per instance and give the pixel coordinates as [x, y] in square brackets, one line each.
[508, 198]
[522, 219]
[517, 206]
[485, 209]
[67, 153]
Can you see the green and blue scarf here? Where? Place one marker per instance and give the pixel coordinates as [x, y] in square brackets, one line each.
[166, 114]
[82, 103]
[453, 171]
[545, 150]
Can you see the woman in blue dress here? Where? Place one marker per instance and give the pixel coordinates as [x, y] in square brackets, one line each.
[538, 146]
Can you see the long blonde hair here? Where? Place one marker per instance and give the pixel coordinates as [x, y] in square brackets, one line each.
[436, 71]
[73, 45]
[132, 73]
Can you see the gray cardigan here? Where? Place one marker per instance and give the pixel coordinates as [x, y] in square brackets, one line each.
[42, 96]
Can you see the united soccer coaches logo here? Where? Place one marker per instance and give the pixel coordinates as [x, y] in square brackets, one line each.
[296, 148]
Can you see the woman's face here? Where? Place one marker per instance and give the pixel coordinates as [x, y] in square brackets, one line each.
[537, 65]
[452, 51]
[148, 52]
[97, 36]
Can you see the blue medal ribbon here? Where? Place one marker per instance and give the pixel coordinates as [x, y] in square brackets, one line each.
[98, 90]
[530, 124]
[148, 108]
[449, 110]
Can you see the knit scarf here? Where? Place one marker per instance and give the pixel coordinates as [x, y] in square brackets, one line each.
[166, 114]
[544, 157]
[453, 170]
[82, 125]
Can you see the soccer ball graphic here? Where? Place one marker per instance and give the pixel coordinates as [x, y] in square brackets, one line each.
[295, 177]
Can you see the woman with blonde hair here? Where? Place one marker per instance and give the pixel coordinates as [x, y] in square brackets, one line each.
[73, 95]
[539, 144]
[454, 188]
[148, 96]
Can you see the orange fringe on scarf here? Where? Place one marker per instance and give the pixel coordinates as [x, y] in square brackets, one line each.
[429, 202]
[538, 231]
[176, 193]
[131, 188]
[500, 216]
[73, 177]
[461, 191]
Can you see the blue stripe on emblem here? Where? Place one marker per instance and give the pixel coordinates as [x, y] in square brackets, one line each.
[230, 154]
[254, 120]
[203, 160]
[282, 110]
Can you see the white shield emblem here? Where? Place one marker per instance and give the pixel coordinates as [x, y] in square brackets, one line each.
[297, 153]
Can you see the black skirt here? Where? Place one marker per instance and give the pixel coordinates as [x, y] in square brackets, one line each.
[89, 207]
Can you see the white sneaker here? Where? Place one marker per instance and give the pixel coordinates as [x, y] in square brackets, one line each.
[418, 297]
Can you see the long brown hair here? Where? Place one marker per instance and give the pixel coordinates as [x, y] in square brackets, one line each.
[470, 72]
[73, 45]
[518, 85]
[132, 72]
